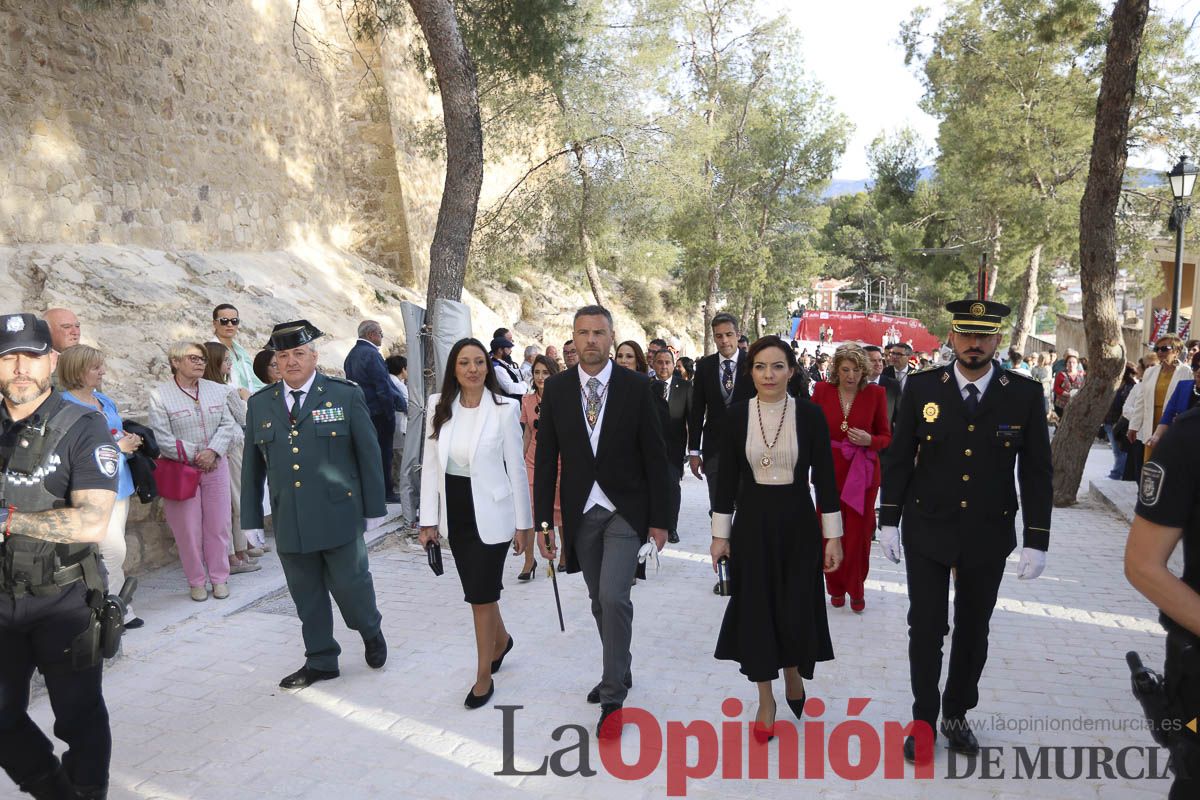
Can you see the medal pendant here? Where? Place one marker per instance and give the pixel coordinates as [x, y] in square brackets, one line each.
[845, 426]
[765, 461]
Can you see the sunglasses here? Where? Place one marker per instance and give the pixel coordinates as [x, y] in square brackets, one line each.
[1166, 348]
[234, 321]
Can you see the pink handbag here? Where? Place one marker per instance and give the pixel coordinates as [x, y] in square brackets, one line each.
[176, 480]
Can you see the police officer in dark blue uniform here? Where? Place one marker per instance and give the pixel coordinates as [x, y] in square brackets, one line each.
[1168, 510]
[58, 482]
[960, 433]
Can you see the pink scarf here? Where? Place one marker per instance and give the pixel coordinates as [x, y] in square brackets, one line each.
[862, 470]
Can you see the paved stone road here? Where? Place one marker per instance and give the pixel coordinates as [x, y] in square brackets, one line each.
[197, 713]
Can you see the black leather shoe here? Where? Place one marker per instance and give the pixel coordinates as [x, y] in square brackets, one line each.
[910, 752]
[52, 785]
[478, 701]
[672, 537]
[496, 664]
[134, 624]
[959, 737]
[307, 677]
[376, 652]
[613, 729]
[797, 706]
[562, 568]
[593, 696]
[717, 587]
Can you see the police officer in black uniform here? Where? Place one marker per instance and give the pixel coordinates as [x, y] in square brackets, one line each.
[959, 433]
[58, 481]
[1168, 510]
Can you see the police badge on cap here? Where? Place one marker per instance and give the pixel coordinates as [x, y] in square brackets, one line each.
[981, 317]
[24, 333]
[287, 335]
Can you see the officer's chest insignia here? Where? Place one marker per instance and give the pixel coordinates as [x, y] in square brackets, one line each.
[1151, 483]
[329, 414]
[930, 412]
[945, 377]
[267, 424]
[1003, 380]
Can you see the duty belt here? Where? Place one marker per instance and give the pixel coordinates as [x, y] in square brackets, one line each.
[60, 578]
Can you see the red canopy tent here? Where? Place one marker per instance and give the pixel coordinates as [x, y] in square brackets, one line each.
[849, 326]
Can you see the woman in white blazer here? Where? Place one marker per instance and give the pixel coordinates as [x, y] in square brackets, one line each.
[1156, 389]
[473, 490]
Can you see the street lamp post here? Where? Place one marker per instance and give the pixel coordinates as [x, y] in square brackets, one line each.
[1182, 177]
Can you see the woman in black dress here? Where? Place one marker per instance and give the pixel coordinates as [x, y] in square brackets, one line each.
[775, 619]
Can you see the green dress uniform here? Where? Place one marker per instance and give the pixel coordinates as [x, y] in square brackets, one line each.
[953, 470]
[323, 475]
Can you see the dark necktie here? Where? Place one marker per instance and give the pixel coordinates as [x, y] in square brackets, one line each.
[727, 380]
[665, 388]
[296, 395]
[972, 400]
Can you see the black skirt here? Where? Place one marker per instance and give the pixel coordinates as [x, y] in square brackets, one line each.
[776, 616]
[480, 566]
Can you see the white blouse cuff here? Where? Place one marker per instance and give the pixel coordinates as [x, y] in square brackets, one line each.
[722, 525]
[831, 525]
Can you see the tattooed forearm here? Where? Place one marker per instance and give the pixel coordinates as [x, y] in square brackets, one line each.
[85, 521]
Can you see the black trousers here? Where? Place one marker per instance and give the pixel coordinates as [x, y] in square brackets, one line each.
[1182, 674]
[975, 589]
[711, 465]
[385, 429]
[37, 632]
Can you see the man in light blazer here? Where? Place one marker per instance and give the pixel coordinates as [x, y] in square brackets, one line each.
[615, 490]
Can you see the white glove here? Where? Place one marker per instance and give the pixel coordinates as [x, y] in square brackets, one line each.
[1032, 563]
[889, 540]
[374, 522]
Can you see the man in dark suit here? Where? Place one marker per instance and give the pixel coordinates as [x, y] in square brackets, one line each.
[365, 366]
[973, 425]
[614, 485]
[898, 368]
[890, 385]
[675, 406]
[721, 378]
[310, 437]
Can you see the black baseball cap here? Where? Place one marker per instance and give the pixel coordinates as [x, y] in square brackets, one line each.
[24, 333]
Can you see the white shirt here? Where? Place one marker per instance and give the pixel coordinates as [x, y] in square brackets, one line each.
[981, 383]
[596, 497]
[462, 441]
[288, 402]
[901, 376]
[401, 419]
[508, 384]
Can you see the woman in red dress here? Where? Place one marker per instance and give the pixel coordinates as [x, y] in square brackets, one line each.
[856, 411]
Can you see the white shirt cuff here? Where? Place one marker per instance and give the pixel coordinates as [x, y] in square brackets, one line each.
[693, 452]
[722, 525]
[831, 525]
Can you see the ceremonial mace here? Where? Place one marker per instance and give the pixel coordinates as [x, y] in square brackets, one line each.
[553, 576]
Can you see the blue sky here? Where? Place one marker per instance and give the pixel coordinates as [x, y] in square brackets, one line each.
[852, 48]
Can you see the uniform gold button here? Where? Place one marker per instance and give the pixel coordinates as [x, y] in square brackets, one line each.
[966, 477]
[349, 494]
[297, 484]
[971, 428]
[967, 452]
[929, 438]
[1008, 444]
[296, 467]
[297, 450]
[333, 433]
[963, 504]
[328, 404]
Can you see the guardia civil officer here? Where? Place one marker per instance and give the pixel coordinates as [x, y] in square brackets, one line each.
[971, 423]
[58, 483]
[1167, 511]
[311, 436]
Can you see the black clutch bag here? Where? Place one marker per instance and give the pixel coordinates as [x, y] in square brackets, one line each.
[433, 552]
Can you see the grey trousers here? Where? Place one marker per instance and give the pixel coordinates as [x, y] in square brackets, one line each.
[607, 549]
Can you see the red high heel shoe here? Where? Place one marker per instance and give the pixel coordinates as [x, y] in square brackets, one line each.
[858, 605]
[837, 600]
[764, 733]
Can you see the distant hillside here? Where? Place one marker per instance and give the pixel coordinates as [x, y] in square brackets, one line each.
[1135, 178]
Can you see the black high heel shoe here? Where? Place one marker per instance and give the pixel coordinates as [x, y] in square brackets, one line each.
[797, 706]
[528, 575]
[477, 701]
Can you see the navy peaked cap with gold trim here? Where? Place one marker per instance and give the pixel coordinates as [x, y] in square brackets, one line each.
[977, 316]
[287, 335]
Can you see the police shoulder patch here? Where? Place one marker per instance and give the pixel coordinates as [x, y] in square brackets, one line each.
[107, 459]
[1150, 488]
